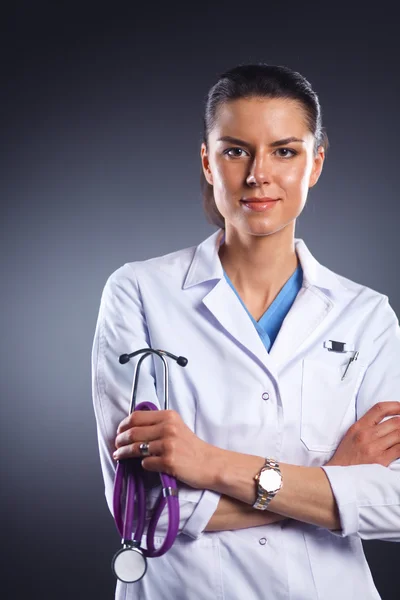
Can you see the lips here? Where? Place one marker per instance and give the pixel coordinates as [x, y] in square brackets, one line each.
[259, 204]
[260, 200]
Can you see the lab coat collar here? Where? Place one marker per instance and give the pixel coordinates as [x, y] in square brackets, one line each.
[311, 307]
[206, 265]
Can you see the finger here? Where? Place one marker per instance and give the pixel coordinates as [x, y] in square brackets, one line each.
[380, 410]
[391, 439]
[139, 434]
[383, 429]
[143, 417]
[391, 455]
[133, 450]
[155, 463]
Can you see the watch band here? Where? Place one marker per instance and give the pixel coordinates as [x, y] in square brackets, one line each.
[263, 496]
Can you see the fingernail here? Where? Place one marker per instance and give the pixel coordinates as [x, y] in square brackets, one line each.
[115, 455]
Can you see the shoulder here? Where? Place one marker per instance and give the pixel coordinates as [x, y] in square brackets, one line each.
[172, 265]
[359, 290]
[340, 289]
[361, 304]
[365, 303]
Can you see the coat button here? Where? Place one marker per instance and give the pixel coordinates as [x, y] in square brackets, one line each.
[262, 541]
[265, 396]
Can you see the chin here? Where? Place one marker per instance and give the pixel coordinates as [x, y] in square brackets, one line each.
[259, 229]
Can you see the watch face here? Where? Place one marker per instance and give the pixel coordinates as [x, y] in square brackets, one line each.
[270, 480]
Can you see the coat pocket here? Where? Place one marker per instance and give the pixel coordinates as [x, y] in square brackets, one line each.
[327, 402]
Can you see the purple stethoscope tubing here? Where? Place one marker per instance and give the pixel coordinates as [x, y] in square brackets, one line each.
[130, 470]
[129, 480]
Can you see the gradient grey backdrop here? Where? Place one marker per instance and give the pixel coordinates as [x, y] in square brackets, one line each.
[100, 166]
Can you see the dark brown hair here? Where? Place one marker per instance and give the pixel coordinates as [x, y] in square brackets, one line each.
[260, 81]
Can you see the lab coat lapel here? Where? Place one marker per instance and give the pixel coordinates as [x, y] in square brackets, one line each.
[312, 305]
[225, 306]
[222, 302]
[308, 311]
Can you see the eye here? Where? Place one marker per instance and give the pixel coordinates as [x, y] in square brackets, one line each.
[286, 152]
[235, 149]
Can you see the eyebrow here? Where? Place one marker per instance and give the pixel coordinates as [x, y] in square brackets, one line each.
[233, 140]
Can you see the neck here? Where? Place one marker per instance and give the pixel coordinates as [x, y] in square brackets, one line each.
[259, 265]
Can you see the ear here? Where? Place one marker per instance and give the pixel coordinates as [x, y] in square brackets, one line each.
[318, 163]
[205, 163]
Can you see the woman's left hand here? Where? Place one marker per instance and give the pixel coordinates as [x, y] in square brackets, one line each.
[174, 448]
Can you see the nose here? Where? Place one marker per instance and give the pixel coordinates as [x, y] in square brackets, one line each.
[259, 173]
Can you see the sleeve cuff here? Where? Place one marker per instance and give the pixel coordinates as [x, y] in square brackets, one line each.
[200, 516]
[344, 493]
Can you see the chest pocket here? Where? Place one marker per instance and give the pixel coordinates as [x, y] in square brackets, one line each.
[327, 402]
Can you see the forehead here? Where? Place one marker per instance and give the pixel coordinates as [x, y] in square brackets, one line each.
[277, 118]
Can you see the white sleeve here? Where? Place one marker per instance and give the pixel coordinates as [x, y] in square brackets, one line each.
[368, 496]
[121, 328]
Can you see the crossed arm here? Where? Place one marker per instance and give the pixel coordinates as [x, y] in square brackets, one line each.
[235, 514]
[306, 494]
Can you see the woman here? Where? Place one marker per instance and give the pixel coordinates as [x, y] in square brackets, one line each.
[281, 429]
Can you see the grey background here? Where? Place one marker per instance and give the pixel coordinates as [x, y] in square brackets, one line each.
[101, 125]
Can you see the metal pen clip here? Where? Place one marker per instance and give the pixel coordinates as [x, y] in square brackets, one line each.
[341, 347]
[352, 359]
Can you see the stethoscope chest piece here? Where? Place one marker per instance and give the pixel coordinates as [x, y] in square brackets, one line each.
[129, 564]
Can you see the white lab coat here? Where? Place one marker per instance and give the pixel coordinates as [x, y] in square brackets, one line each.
[289, 404]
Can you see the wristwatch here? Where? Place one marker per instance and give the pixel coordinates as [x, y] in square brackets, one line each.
[269, 482]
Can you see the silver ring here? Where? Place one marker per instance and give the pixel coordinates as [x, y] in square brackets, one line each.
[144, 449]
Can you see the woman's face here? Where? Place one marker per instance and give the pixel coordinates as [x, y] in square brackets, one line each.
[261, 148]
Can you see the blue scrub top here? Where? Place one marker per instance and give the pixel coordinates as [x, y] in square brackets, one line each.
[269, 324]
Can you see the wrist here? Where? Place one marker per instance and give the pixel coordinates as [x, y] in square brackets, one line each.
[215, 464]
[233, 474]
[269, 482]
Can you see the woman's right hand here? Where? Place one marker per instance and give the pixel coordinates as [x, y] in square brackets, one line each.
[370, 440]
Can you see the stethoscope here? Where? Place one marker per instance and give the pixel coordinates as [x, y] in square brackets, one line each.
[129, 564]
